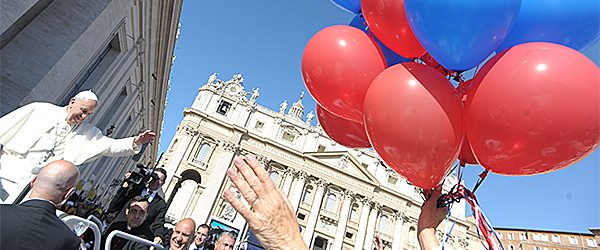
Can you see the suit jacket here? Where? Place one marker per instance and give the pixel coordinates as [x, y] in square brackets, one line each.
[157, 209]
[118, 243]
[33, 225]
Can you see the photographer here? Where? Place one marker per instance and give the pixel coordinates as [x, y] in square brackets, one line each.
[145, 183]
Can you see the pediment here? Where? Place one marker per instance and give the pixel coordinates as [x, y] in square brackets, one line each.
[344, 164]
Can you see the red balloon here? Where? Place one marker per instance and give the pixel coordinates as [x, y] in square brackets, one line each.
[343, 131]
[466, 154]
[338, 65]
[387, 20]
[533, 109]
[413, 120]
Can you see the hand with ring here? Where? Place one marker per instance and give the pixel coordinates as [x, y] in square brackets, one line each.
[272, 218]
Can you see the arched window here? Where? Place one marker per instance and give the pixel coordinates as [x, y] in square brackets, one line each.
[306, 196]
[203, 152]
[330, 205]
[353, 212]
[274, 176]
[383, 223]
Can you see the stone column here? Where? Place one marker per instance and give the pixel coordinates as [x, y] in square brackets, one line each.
[343, 221]
[314, 212]
[362, 225]
[400, 220]
[371, 226]
[297, 194]
[287, 180]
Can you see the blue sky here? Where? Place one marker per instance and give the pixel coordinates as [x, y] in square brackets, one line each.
[264, 41]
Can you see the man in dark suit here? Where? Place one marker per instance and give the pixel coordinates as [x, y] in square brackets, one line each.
[134, 224]
[157, 208]
[33, 223]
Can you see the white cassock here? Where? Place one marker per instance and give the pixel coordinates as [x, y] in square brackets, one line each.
[39, 133]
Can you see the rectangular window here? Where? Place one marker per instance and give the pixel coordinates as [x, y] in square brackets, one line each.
[545, 237]
[591, 243]
[536, 236]
[537, 248]
[288, 136]
[522, 237]
[259, 125]
[511, 236]
[392, 180]
[301, 216]
[511, 247]
[349, 235]
[555, 238]
[573, 240]
[499, 235]
[223, 107]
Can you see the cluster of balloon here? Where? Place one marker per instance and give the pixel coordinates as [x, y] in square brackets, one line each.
[531, 109]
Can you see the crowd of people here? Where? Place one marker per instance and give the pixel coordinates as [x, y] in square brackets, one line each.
[41, 146]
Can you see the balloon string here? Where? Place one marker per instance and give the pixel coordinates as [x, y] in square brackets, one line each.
[480, 180]
[484, 227]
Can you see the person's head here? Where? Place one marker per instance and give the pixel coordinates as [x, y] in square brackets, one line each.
[137, 211]
[55, 182]
[109, 217]
[225, 241]
[155, 184]
[81, 106]
[183, 234]
[201, 235]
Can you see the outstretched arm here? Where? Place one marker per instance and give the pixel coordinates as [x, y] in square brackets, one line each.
[144, 137]
[431, 216]
[272, 218]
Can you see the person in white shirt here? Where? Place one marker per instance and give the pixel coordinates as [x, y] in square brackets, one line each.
[39, 133]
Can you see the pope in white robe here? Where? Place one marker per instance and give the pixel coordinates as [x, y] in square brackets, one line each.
[39, 133]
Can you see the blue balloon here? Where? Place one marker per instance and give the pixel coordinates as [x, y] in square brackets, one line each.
[574, 23]
[352, 6]
[461, 34]
[391, 57]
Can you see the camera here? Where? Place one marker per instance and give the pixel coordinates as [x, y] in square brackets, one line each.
[142, 175]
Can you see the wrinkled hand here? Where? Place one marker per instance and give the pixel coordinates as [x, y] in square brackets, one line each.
[142, 138]
[272, 218]
[429, 219]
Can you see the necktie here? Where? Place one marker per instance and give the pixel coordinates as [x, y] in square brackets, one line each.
[147, 196]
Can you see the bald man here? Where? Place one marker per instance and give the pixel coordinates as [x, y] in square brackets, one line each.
[33, 224]
[183, 235]
[38, 133]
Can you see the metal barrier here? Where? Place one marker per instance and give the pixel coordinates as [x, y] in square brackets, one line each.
[94, 219]
[131, 238]
[90, 224]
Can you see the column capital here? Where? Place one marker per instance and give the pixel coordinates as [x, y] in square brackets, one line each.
[348, 194]
[301, 175]
[264, 161]
[289, 172]
[376, 206]
[366, 201]
[229, 146]
[323, 184]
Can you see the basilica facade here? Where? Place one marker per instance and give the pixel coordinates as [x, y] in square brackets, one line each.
[342, 196]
